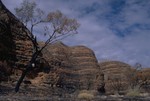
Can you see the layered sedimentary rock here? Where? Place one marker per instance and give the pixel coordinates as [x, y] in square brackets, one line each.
[69, 66]
[15, 45]
[76, 67]
[85, 64]
[115, 75]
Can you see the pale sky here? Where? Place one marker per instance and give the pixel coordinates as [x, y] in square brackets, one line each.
[113, 29]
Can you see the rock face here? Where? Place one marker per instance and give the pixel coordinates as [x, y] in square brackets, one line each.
[115, 75]
[70, 67]
[85, 64]
[15, 45]
[74, 67]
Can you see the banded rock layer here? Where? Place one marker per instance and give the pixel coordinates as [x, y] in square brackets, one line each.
[75, 66]
[15, 45]
[115, 75]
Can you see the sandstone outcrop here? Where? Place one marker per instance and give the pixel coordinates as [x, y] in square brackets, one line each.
[68, 67]
[85, 64]
[15, 45]
[60, 66]
[115, 75]
[74, 67]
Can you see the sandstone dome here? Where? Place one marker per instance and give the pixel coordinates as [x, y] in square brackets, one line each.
[115, 74]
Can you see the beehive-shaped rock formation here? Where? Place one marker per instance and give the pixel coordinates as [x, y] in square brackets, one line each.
[75, 66]
[85, 63]
[15, 45]
[115, 75]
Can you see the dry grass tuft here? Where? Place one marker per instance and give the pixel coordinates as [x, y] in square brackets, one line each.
[86, 95]
[133, 92]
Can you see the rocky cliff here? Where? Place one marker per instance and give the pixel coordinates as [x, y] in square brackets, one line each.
[67, 67]
[72, 67]
[15, 45]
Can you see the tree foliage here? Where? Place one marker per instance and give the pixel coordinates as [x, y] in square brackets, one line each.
[29, 13]
[57, 26]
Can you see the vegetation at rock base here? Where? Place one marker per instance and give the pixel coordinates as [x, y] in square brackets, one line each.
[133, 92]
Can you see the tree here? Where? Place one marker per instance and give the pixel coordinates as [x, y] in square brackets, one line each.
[58, 26]
[29, 14]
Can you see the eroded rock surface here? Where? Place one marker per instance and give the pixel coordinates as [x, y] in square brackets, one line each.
[115, 75]
[15, 45]
[76, 67]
